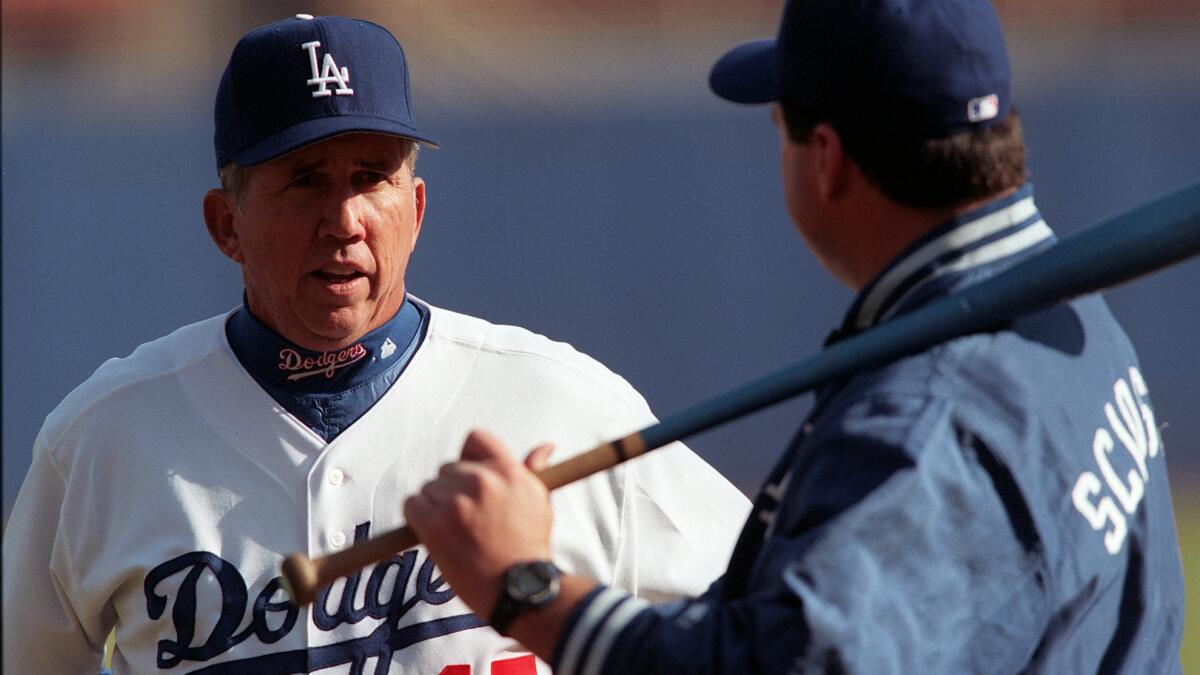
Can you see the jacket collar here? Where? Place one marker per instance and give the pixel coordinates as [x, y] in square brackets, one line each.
[980, 241]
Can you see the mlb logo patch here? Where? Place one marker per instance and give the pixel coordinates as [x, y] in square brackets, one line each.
[983, 108]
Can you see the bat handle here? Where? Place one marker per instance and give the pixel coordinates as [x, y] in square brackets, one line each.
[302, 577]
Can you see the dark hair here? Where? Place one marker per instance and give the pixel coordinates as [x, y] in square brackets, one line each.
[934, 173]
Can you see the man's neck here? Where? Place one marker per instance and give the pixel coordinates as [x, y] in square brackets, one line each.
[885, 229]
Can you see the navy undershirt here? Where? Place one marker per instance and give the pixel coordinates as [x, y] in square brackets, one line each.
[327, 391]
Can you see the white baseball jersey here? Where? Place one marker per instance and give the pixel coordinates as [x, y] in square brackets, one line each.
[167, 488]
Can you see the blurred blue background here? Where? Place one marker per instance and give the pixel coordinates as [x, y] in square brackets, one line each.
[588, 187]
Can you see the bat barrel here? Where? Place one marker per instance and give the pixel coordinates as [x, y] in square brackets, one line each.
[1117, 250]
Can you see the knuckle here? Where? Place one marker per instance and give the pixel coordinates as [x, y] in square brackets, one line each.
[461, 507]
[447, 469]
[475, 483]
[429, 491]
[411, 508]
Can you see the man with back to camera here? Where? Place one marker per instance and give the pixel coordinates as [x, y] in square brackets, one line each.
[994, 504]
[167, 488]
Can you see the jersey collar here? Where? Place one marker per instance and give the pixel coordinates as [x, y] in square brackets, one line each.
[280, 363]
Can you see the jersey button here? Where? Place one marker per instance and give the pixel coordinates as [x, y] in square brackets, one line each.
[337, 539]
[336, 477]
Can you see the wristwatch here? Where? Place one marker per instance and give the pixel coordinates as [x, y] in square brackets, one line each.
[527, 585]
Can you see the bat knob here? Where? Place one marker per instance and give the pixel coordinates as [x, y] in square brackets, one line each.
[299, 579]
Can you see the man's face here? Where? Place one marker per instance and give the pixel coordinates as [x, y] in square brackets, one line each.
[809, 171]
[324, 236]
[795, 168]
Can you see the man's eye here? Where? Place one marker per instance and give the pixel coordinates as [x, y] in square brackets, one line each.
[373, 177]
[304, 180]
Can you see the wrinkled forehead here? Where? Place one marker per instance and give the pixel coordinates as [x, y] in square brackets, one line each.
[353, 145]
[380, 152]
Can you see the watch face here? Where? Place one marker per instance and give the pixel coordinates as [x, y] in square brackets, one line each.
[533, 582]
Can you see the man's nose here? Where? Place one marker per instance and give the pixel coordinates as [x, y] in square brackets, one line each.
[344, 218]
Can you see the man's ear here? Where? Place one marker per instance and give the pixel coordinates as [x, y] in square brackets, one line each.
[832, 163]
[419, 202]
[219, 209]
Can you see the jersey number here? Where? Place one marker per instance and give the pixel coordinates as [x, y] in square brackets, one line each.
[521, 665]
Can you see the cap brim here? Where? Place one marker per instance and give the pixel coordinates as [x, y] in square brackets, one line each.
[747, 73]
[319, 129]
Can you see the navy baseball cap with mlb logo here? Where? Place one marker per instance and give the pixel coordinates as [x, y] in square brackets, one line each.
[914, 69]
[304, 79]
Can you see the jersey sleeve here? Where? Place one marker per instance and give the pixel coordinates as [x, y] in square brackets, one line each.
[919, 567]
[680, 522]
[43, 630]
[682, 519]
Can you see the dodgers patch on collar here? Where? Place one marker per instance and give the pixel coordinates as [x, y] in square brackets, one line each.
[327, 391]
[328, 364]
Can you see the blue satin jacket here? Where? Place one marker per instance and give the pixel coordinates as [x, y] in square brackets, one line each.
[996, 504]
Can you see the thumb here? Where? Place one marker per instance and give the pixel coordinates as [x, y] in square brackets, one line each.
[539, 457]
[482, 446]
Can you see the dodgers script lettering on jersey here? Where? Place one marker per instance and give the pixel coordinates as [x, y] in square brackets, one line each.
[328, 363]
[394, 589]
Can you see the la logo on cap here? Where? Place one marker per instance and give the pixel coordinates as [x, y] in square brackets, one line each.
[329, 73]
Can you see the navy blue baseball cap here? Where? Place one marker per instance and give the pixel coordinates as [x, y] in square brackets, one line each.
[916, 69]
[304, 79]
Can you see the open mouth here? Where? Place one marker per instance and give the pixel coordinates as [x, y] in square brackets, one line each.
[338, 273]
[337, 277]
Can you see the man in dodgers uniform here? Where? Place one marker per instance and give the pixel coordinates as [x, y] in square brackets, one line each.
[167, 488]
[995, 504]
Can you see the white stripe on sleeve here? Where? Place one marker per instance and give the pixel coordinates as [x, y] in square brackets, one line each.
[599, 607]
[612, 627]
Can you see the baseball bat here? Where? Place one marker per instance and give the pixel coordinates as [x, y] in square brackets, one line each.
[1147, 238]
